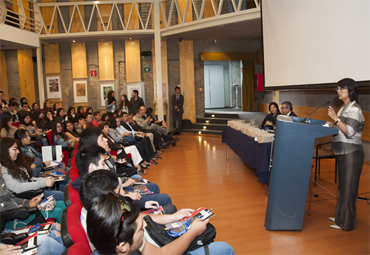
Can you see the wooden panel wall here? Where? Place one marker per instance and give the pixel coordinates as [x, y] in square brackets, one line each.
[182, 5]
[76, 22]
[47, 14]
[134, 19]
[4, 85]
[133, 61]
[321, 114]
[105, 10]
[160, 17]
[79, 62]
[52, 59]
[26, 75]
[208, 10]
[186, 57]
[106, 64]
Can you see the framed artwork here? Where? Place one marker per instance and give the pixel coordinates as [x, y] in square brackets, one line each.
[53, 87]
[139, 86]
[80, 91]
[105, 87]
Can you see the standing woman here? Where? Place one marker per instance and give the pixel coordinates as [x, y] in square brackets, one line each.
[124, 105]
[347, 146]
[110, 103]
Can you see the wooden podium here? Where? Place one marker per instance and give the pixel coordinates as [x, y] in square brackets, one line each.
[291, 169]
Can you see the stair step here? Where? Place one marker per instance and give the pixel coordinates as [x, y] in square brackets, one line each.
[214, 120]
[221, 115]
[203, 131]
[209, 126]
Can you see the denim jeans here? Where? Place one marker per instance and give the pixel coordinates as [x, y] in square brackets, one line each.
[215, 248]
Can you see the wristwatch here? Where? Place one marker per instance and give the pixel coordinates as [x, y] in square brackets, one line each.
[335, 123]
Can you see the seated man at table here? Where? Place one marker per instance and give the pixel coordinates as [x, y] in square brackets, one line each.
[287, 109]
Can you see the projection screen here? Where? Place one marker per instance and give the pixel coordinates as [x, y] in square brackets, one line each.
[308, 42]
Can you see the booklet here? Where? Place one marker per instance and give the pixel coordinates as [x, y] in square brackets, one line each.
[52, 153]
[181, 226]
[141, 189]
[144, 181]
[158, 210]
[29, 245]
[41, 229]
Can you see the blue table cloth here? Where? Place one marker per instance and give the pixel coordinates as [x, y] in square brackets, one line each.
[254, 154]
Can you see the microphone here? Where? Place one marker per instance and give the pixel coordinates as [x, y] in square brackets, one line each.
[305, 118]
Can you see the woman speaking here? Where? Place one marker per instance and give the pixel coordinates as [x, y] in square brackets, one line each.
[347, 146]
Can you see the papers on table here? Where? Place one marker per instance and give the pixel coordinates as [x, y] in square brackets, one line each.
[247, 128]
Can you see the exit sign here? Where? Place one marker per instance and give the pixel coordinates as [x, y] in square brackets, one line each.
[93, 73]
[146, 69]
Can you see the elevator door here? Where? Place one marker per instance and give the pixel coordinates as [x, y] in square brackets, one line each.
[214, 86]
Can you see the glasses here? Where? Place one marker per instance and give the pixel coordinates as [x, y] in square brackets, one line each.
[340, 89]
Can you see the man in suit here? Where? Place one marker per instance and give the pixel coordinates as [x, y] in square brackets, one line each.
[287, 109]
[177, 102]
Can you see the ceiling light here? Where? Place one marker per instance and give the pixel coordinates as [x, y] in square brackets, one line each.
[74, 41]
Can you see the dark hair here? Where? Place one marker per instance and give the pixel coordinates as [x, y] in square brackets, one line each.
[112, 122]
[88, 109]
[23, 116]
[79, 109]
[58, 112]
[177, 87]
[106, 227]
[23, 104]
[70, 110]
[103, 124]
[110, 97]
[81, 117]
[13, 103]
[138, 111]
[36, 117]
[127, 102]
[117, 111]
[104, 116]
[22, 99]
[149, 111]
[288, 104]
[86, 155]
[20, 134]
[14, 166]
[96, 183]
[90, 136]
[276, 105]
[74, 131]
[136, 91]
[96, 113]
[12, 99]
[33, 105]
[52, 115]
[55, 133]
[88, 113]
[55, 107]
[352, 87]
[47, 108]
[4, 122]
[123, 113]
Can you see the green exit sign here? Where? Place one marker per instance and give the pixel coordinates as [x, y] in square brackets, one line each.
[146, 69]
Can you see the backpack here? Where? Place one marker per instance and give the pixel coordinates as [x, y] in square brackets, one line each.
[186, 124]
[159, 235]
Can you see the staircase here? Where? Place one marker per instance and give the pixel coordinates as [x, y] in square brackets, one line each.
[211, 124]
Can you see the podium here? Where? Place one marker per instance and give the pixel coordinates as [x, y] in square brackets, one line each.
[291, 170]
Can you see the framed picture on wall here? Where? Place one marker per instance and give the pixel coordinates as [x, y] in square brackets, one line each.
[53, 87]
[139, 86]
[80, 91]
[105, 87]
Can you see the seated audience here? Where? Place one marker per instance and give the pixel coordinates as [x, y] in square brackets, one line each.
[71, 131]
[17, 172]
[6, 127]
[35, 133]
[81, 124]
[150, 113]
[89, 119]
[55, 108]
[12, 110]
[287, 109]
[130, 235]
[105, 117]
[49, 120]
[60, 138]
[97, 119]
[89, 110]
[35, 106]
[80, 111]
[47, 107]
[71, 115]
[60, 117]
[270, 120]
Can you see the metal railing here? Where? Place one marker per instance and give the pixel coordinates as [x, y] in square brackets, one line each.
[20, 14]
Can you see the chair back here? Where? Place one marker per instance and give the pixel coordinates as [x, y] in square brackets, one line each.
[71, 195]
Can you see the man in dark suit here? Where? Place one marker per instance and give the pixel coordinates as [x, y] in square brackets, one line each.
[177, 102]
[287, 109]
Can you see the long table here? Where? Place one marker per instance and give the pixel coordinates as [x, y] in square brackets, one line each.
[254, 154]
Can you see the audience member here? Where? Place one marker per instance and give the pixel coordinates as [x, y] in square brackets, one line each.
[47, 107]
[38, 120]
[55, 108]
[71, 132]
[80, 112]
[71, 115]
[81, 124]
[105, 117]
[60, 138]
[12, 110]
[110, 103]
[89, 110]
[89, 119]
[97, 119]
[49, 120]
[60, 117]
[7, 128]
